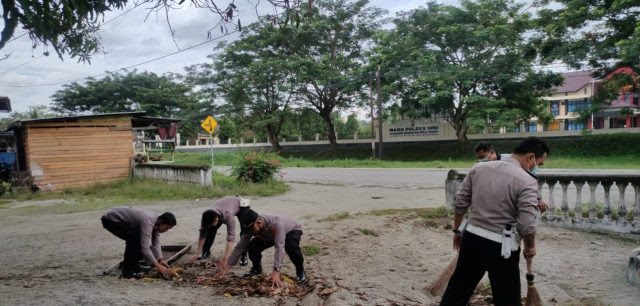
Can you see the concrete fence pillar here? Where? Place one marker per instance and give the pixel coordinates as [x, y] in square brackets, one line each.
[317, 137]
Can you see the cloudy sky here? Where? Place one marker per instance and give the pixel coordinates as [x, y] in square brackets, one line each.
[128, 40]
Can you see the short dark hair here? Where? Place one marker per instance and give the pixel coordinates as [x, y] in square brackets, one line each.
[248, 217]
[533, 145]
[483, 147]
[207, 218]
[168, 219]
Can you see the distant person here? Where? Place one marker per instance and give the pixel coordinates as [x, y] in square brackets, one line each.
[501, 198]
[263, 232]
[222, 212]
[486, 152]
[141, 230]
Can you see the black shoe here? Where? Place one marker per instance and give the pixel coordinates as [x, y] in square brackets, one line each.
[254, 271]
[143, 267]
[301, 277]
[243, 260]
[131, 274]
[204, 255]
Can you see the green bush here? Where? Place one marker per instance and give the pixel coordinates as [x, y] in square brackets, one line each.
[256, 167]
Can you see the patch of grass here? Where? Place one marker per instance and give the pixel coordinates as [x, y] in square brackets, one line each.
[139, 191]
[368, 232]
[425, 213]
[310, 250]
[337, 216]
[414, 157]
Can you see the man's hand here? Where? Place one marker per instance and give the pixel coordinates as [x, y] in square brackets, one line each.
[542, 206]
[193, 258]
[275, 279]
[457, 239]
[224, 268]
[224, 264]
[163, 263]
[164, 271]
[529, 252]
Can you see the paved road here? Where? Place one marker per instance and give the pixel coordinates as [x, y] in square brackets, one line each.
[433, 180]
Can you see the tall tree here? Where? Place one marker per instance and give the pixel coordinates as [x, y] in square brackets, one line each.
[471, 61]
[598, 32]
[253, 76]
[133, 91]
[328, 51]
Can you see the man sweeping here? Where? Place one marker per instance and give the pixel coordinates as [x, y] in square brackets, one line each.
[504, 197]
[141, 230]
[263, 232]
[222, 212]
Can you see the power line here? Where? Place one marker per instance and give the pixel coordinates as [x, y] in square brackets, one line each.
[25, 63]
[123, 68]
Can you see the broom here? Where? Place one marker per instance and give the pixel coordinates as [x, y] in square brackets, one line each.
[437, 287]
[533, 298]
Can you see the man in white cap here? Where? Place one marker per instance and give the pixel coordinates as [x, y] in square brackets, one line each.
[222, 212]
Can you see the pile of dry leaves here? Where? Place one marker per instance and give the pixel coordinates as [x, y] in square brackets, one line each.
[204, 274]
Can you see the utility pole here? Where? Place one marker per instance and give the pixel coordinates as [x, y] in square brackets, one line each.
[379, 98]
[373, 126]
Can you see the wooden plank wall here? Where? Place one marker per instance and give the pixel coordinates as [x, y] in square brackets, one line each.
[66, 155]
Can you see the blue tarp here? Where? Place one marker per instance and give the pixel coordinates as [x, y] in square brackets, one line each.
[7, 158]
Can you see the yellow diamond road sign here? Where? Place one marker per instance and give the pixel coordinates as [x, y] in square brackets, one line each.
[209, 124]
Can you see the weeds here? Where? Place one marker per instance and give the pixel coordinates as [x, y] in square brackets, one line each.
[368, 232]
[337, 217]
[310, 250]
[138, 191]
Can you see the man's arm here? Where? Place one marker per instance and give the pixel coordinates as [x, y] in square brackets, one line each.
[463, 196]
[148, 249]
[240, 248]
[146, 231]
[527, 217]
[461, 204]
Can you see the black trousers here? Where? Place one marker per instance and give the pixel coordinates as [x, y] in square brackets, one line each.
[210, 235]
[291, 247]
[477, 256]
[131, 236]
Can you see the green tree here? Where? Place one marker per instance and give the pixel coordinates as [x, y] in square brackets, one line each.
[303, 122]
[463, 63]
[70, 26]
[253, 76]
[328, 51]
[598, 32]
[155, 95]
[33, 112]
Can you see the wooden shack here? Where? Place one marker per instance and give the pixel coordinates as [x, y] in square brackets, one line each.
[67, 152]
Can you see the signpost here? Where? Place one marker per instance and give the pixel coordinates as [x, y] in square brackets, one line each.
[209, 124]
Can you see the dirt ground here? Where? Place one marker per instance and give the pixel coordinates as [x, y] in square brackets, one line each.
[370, 260]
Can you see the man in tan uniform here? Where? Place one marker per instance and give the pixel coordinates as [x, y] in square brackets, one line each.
[504, 195]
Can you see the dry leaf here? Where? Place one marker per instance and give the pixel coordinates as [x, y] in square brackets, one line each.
[327, 291]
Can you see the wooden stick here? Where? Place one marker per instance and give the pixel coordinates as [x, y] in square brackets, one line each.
[177, 256]
[111, 268]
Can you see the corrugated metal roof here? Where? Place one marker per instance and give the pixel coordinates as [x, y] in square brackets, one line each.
[19, 123]
[574, 80]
